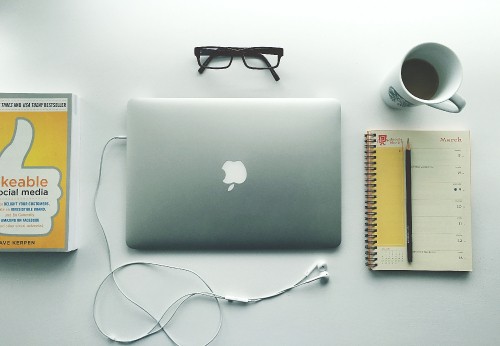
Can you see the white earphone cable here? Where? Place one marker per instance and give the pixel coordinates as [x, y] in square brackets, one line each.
[158, 325]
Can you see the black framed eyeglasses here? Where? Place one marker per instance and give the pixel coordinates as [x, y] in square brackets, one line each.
[255, 58]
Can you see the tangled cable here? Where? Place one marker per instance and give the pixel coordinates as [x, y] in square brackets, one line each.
[173, 308]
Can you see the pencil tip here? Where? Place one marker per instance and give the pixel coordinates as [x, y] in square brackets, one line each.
[408, 147]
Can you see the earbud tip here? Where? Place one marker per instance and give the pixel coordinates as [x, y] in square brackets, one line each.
[322, 266]
[324, 276]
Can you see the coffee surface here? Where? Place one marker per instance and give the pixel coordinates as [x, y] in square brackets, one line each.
[420, 78]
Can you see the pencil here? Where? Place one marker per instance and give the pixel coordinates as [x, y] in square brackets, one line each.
[409, 236]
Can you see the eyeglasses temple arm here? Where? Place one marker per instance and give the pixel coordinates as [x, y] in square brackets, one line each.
[273, 72]
[206, 62]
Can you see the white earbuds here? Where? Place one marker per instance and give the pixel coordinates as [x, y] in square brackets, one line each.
[320, 266]
[323, 277]
[323, 273]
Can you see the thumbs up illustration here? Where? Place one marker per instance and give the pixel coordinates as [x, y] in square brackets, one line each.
[29, 196]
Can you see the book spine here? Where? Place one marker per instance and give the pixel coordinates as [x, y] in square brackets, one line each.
[370, 201]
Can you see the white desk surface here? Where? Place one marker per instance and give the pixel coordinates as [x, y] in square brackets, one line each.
[107, 52]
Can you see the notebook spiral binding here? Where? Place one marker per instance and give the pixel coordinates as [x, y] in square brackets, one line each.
[370, 201]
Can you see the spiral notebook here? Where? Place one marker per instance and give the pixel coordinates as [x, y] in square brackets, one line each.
[440, 201]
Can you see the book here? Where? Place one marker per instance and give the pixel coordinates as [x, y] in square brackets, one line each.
[440, 210]
[39, 139]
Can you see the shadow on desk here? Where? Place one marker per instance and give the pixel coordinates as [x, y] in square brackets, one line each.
[42, 263]
[401, 274]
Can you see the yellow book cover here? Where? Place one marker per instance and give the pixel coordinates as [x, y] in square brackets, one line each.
[38, 175]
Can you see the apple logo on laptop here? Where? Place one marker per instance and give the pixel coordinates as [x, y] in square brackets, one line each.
[236, 173]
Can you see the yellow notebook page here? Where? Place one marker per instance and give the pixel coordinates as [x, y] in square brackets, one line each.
[390, 197]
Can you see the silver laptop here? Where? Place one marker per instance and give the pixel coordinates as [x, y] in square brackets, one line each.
[233, 174]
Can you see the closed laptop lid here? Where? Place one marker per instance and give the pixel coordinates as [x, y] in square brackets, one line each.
[233, 174]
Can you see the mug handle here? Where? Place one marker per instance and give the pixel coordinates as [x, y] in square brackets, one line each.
[454, 105]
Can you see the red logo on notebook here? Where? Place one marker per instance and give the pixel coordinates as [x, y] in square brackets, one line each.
[382, 139]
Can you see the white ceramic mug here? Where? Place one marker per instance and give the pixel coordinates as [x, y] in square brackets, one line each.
[430, 74]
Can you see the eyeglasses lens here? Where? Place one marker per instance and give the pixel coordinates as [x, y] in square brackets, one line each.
[212, 58]
[261, 61]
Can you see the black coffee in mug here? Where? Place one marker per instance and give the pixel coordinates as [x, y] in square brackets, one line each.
[420, 78]
[429, 74]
